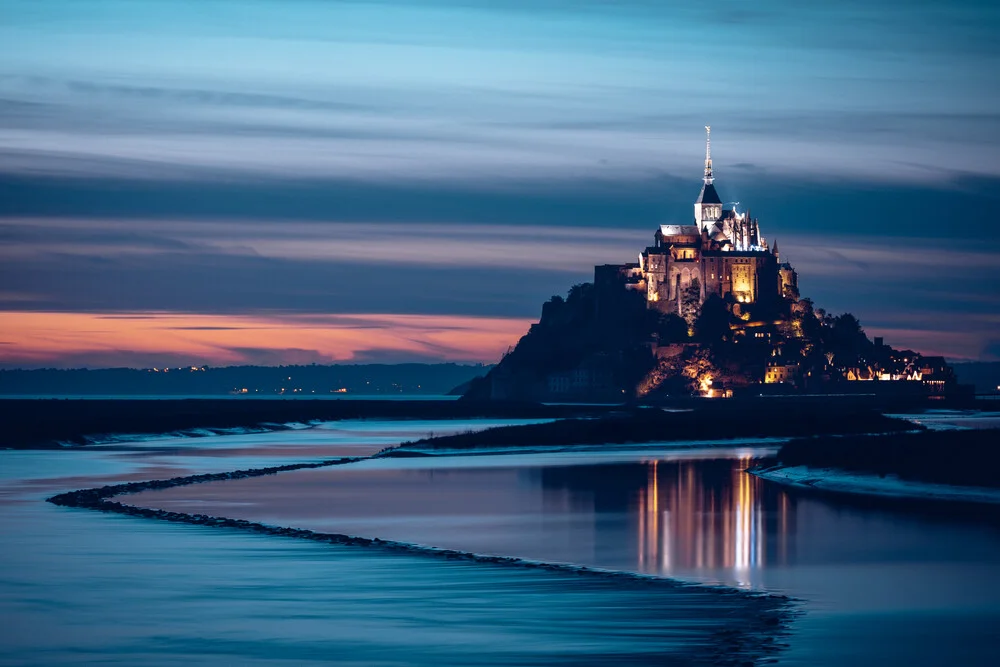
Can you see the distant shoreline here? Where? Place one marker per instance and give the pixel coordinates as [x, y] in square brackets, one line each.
[59, 423]
[49, 423]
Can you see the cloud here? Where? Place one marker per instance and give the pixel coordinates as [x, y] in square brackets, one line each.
[888, 258]
[75, 339]
[957, 345]
[474, 245]
[370, 148]
[263, 356]
[214, 328]
[473, 94]
[489, 254]
[992, 350]
[307, 272]
[469, 158]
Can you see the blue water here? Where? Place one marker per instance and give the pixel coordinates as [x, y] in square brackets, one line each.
[78, 587]
[83, 588]
[896, 584]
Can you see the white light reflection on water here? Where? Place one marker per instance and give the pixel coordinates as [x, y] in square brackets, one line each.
[684, 526]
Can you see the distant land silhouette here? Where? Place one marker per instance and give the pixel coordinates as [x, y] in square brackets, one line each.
[983, 375]
[338, 380]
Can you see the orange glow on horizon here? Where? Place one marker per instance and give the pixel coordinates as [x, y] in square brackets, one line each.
[33, 338]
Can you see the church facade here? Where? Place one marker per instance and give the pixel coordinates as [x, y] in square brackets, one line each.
[722, 251]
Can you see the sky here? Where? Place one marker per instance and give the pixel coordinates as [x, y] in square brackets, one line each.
[296, 181]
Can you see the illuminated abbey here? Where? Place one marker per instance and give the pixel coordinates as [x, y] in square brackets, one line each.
[721, 252]
[708, 309]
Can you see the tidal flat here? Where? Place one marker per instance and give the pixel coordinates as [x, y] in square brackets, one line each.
[85, 587]
[69, 422]
[659, 554]
[709, 420]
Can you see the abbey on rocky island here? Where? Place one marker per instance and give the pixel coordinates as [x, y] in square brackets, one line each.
[709, 309]
[721, 252]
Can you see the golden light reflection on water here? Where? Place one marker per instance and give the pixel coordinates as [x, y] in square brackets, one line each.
[688, 523]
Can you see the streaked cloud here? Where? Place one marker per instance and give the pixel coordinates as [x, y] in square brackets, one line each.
[550, 248]
[118, 269]
[223, 166]
[474, 93]
[68, 339]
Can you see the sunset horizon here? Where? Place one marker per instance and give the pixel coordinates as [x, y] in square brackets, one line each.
[459, 160]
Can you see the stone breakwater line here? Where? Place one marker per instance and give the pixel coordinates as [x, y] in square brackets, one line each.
[768, 615]
[101, 499]
[97, 498]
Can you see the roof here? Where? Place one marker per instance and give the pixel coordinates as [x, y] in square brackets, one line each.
[708, 195]
[763, 254]
[679, 230]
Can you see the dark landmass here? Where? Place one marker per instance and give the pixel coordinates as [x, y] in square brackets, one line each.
[605, 342]
[364, 379]
[463, 389]
[984, 375]
[721, 420]
[40, 423]
[582, 348]
[963, 458]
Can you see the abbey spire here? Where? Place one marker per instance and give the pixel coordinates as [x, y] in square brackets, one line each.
[708, 206]
[708, 155]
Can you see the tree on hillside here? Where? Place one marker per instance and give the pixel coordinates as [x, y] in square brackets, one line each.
[712, 325]
[670, 328]
[691, 302]
[847, 340]
[580, 292]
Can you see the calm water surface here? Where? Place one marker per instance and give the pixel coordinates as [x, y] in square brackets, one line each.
[79, 587]
[880, 585]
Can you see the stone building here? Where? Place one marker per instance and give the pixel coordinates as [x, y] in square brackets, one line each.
[721, 252]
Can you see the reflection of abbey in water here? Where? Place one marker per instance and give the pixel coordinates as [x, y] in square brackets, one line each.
[687, 523]
[691, 517]
[722, 252]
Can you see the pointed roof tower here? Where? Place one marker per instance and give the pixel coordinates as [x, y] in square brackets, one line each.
[708, 155]
[708, 194]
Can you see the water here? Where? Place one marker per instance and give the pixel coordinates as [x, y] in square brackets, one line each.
[896, 584]
[111, 590]
[79, 587]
